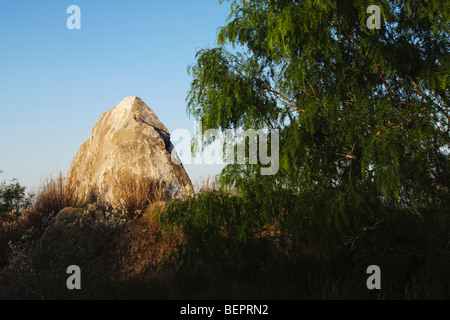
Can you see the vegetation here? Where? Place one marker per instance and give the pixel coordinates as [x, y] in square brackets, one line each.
[363, 117]
[53, 196]
[12, 199]
[120, 252]
[364, 175]
[137, 194]
[364, 129]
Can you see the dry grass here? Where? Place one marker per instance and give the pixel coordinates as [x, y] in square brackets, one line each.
[53, 195]
[30, 223]
[139, 193]
[126, 255]
[205, 184]
[147, 246]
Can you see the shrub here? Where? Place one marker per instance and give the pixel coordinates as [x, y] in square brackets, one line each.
[230, 250]
[119, 257]
[13, 200]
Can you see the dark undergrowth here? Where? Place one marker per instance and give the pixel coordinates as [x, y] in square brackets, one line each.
[182, 251]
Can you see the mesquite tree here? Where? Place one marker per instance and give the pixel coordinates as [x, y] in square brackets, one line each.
[363, 113]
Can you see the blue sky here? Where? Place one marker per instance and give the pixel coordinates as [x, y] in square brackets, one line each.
[55, 82]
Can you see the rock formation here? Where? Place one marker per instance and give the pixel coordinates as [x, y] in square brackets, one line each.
[128, 141]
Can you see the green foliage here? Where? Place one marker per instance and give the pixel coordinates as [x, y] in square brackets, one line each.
[12, 200]
[363, 114]
[233, 247]
[228, 250]
[218, 226]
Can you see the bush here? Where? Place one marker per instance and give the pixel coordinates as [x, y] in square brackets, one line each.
[216, 246]
[119, 257]
[12, 200]
[232, 251]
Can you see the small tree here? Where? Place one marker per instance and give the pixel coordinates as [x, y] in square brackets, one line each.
[13, 198]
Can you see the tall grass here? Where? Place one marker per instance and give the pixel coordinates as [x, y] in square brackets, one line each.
[205, 184]
[53, 195]
[138, 193]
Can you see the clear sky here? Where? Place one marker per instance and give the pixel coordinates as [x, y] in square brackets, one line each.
[55, 82]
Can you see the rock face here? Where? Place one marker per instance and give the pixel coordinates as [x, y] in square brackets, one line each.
[128, 141]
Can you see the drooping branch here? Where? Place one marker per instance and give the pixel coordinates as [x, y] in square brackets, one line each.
[420, 92]
[289, 105]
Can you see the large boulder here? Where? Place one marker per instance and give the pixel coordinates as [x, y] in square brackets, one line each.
[128, 142]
